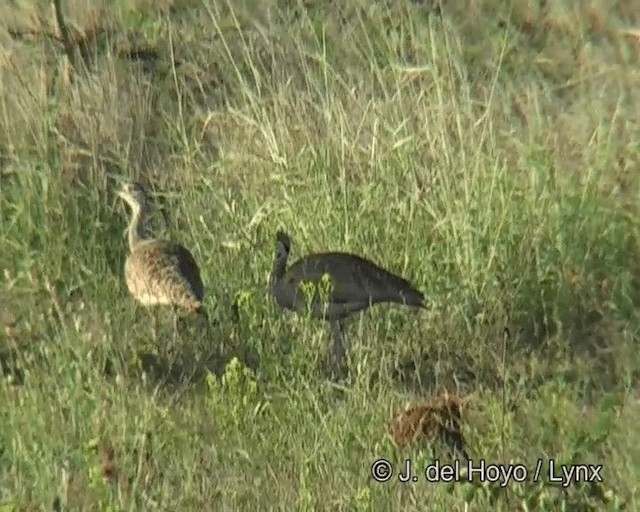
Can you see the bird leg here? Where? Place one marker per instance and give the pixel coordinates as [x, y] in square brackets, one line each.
[154, 326]
[204, 318]
[338, 352]
[235, 311]
[175, 325]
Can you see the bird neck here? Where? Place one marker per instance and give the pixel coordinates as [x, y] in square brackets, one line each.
[136, 227]
[278, 269]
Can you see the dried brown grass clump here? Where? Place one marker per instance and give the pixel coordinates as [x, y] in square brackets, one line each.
[72, 39]
[439, 418]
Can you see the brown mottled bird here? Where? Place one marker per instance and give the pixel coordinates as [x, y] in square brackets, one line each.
[438, 418]
[355, 284]
[159, 272]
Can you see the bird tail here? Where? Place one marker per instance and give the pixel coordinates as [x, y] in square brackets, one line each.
[413, 297]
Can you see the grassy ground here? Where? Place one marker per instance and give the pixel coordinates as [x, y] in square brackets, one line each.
[489, 152]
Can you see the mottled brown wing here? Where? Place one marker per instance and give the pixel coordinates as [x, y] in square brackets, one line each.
[185, 265]
[164, 272]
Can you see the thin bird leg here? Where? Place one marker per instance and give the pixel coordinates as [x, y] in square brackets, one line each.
[338, 351]
[154, 326]
[235, 311]
[202, 318]
[175, 325]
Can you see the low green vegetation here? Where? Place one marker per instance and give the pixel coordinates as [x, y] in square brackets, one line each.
[488, 151]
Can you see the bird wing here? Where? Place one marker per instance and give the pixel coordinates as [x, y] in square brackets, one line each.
[173, 263]
[352, 278]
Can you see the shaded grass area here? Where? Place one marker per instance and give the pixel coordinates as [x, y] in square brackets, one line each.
[486, 152]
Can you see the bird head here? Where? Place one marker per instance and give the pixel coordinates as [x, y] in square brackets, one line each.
[283, 242]
[134, 195]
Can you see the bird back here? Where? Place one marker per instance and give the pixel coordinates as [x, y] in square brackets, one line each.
[355, 279]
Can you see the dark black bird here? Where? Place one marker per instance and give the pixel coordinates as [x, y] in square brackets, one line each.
[355, 284]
